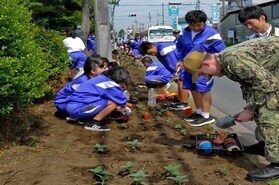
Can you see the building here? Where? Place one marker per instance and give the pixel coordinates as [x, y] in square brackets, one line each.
[233, 31]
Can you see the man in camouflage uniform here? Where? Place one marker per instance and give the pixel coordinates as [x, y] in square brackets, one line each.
[255, 65]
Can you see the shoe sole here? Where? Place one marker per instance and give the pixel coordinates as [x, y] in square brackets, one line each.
[253, 179]
[202, 124]
[100, 130]
[179, 108]
[71, 119]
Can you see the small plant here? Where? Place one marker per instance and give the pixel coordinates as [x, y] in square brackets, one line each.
[101, 175]
[178, 126]
[134, 144]
[273, 182]
[139, 177]
[100, 148]
[172, 171]
[179, 179]
[124, 125]
[183, 131]
[223, 171]
[126, 168]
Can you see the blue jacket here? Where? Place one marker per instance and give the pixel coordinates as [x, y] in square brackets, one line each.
[157, 69]
[168, 55]
[61, 97]
[96, 89]
[208, 40]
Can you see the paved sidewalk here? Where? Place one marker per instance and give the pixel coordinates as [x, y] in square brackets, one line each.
[246, 137]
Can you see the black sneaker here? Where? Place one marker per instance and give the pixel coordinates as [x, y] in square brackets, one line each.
[96, 126]
[202, 121]
[179, 106]
[193, 117]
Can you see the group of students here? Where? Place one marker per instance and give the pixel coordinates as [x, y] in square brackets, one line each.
[198, 55]
[94, 93]
[201, 53]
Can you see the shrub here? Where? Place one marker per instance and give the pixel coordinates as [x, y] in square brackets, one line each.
[27, 59]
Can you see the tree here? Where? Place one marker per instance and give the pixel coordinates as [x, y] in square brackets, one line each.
[85, 24]
[114, 3]
[121, 33]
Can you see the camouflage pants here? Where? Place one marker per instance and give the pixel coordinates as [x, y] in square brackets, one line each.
[268, 130]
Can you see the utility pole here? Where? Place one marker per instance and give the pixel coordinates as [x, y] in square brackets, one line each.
[149, 19]
[102, 28]
[163, 17]
[198, 5]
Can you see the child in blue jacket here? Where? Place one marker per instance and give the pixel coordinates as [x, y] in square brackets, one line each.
[156, 74]
[92, 68]
[167, 54]
[99, 96]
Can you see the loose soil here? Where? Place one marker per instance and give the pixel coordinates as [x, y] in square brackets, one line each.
[64, 152]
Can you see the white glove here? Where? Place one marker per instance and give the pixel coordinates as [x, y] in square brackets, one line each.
[126, 111]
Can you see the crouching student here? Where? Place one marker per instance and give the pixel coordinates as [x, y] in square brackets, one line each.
[156, 74]
[92, 68]
[99, 96]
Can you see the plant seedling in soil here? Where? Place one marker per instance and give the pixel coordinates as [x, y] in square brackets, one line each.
[172, 171]
[273, 182]
[146, 115]
[100, 148]
[139, 177]
[169, 114]
[178, 126]
[126, 168]
[181, 180]
[183, 131]
[101, 174]
[134, 144]
[222, 171]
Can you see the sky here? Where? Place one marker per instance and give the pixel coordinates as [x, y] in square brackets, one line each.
[142, 8]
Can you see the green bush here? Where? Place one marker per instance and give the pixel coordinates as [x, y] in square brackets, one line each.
[29, 56]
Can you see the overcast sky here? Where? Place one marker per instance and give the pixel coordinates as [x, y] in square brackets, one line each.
[142, 8]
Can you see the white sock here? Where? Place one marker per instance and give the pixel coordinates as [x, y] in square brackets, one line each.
[205, 114]
[198, 111]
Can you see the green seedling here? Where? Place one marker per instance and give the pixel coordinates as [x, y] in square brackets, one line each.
[172, 171]
[181, 180]
[178, 126]
[139, 177]
[100, 148]
[223, 171]
[134, 144]
[126, 168]
[183, 131]
[273, 182]
[101, 174]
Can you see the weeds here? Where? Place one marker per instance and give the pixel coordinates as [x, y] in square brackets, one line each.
[179, 179]
[172, 171]
[126, 168]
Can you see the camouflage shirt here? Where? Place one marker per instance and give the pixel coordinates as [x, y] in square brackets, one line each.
[255, 65]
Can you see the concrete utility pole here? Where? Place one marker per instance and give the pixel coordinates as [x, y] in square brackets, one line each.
[163, 15]
[102, 28]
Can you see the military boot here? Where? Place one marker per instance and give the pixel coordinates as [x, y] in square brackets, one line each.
[271, 171]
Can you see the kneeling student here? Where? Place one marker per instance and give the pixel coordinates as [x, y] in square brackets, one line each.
[156, 74]
[92, 68]
[99, 96]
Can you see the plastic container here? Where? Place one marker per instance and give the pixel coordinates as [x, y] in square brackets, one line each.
[220, 149]
[151, 97]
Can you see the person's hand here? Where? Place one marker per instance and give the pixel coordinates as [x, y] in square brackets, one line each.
[244, 116]
[179, 64]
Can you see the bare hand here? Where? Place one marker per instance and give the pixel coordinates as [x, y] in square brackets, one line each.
[179, 64]
[244, 116]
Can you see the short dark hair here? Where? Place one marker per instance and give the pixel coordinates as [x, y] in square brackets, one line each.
[119, 74]
[114, 52]
[70, 32]
[146, 59]
[195, 16]
[92, 63]
[145, 46]
[251, 12]
[112, 65]
[105, 60]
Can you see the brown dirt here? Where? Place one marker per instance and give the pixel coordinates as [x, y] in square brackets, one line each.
[65, 152]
